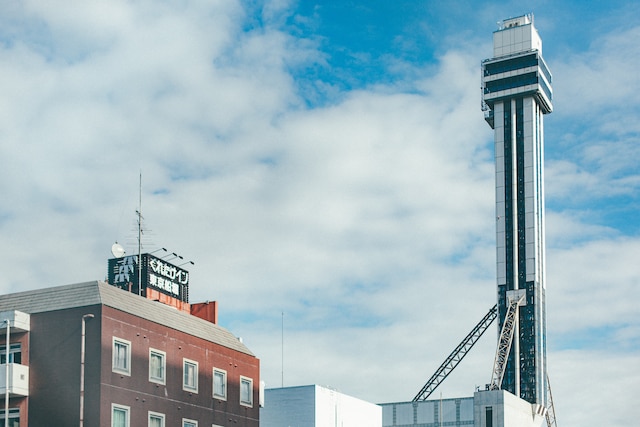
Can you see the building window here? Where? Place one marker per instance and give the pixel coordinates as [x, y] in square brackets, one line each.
[15, 353]
[189, 423]
[246, 391]
[219, 383]
[119, 416]
[488, 416]
[14, 417]
[156, 419]
[190, 375]
[121, 356]
[157, 366]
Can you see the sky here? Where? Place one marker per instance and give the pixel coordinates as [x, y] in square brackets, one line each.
[327, 168]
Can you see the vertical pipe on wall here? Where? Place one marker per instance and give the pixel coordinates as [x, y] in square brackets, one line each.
[6, 374]
[82, 358]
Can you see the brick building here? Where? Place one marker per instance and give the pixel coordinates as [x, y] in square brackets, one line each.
[145, 363]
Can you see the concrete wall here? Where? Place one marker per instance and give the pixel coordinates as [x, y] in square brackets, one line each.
[452, 412]
[337, 409]
[506, 410]
[316, 406]
[290, 406]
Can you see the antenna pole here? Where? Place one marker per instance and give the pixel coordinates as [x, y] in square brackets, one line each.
[282, 349]
[440, 411]
[140, 236]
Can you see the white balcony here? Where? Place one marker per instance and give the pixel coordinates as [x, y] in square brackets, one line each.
[18, 380]
[19, 321]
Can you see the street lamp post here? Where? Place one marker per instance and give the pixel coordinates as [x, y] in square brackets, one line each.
[82, 353]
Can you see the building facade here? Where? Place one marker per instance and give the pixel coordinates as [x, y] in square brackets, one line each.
[96, 355]
[456, 412]
[499, 408]
[517, 93]
[487, 408]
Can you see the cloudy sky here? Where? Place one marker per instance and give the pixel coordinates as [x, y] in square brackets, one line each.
[326, 166]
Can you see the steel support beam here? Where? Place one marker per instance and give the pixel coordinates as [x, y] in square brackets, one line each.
[457, 355]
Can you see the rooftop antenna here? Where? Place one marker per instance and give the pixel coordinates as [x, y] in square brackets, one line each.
[282, 348]
[139, 213]
[173, 255]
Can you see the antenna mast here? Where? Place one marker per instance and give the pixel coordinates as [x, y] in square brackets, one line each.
[282, 348]
[139, 212]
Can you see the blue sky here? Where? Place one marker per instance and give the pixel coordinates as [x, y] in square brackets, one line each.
[329, 161]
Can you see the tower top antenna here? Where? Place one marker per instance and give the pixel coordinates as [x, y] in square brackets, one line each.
[139, 213]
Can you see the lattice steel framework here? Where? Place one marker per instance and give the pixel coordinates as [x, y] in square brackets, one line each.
[551, 411]
[504, 344]
[457, 355]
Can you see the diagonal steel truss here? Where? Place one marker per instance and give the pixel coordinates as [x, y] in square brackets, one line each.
[551, 411]
[457, 355]
[504, 345]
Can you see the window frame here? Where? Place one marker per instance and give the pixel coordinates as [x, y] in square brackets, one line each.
[127, 345]
[185, 386]
[14, 415]
[127, 411]
[156, 415]
[163, 355]
[193, 423]
[488, 416]
[222, 396]
[246, 380]
[15, 348]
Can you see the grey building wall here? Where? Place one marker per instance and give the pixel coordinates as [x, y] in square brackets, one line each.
[428, 413]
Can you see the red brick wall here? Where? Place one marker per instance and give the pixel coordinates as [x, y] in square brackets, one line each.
[137, 392]
[54, 360]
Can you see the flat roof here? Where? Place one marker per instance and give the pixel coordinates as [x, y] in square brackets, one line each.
[100, 293]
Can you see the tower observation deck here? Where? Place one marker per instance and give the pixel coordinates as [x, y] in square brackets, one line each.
[517, 93]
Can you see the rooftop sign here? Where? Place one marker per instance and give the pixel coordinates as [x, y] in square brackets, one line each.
[155, 273]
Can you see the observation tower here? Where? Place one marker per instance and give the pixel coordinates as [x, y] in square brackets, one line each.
[517, 93]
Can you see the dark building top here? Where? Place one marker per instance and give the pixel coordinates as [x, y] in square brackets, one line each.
[100, 293]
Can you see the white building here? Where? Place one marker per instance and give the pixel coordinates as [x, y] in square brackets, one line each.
[499, 408]
[495, 408]
[316, 406]
[429, 413]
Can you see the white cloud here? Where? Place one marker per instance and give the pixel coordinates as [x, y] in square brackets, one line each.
[592, 141]
[594, 286]
[600, 78]
[570, 227]
[577, 181]
[601, 380]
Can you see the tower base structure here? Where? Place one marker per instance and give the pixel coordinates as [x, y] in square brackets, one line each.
[499, 408]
